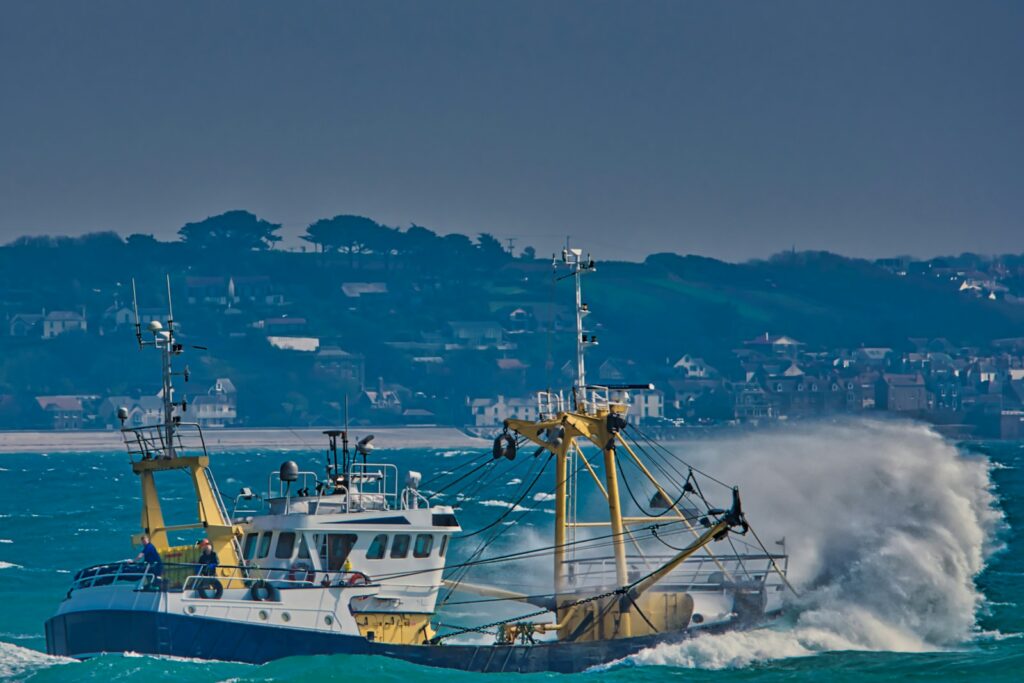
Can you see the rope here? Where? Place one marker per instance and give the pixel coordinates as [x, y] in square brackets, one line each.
[775, 566]
[513, 505]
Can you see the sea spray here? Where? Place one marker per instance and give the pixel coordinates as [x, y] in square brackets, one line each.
[887, 527]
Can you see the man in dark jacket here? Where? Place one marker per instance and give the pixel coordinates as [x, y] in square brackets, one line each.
[208, 560]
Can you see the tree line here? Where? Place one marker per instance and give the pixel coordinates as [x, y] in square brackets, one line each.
[240, 230]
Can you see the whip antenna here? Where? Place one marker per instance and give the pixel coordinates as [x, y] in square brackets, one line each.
[138, 324]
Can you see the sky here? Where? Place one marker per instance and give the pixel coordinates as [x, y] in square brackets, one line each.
[728, 129]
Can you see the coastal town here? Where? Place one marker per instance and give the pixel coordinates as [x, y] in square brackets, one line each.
[299, 338]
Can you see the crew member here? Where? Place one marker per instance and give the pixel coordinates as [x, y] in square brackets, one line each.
[208, 560]
[150, 556]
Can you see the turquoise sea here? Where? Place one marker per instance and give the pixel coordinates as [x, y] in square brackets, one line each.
[905, 547]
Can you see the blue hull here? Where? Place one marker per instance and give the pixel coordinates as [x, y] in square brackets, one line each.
[85, 634]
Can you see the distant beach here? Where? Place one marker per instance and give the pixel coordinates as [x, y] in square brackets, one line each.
[306, 438]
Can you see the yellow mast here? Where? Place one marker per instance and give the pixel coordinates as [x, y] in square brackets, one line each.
[163, 447]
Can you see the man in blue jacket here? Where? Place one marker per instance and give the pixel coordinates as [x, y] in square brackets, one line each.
[150, 556]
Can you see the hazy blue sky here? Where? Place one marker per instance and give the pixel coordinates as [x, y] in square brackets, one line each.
[732, 129]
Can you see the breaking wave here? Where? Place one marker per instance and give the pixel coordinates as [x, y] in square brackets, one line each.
[16, 662]
[887, 526]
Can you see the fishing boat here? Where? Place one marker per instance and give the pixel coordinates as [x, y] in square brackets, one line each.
[351, 557]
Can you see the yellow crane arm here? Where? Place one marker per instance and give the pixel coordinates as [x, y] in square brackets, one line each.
[546, 602]
[721, 527]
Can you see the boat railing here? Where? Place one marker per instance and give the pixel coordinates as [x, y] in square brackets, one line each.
[372, 486]
[549, 404]
[696, 572]
[412, 499]
[598, 398]
[176, 576]
[124, 572]
[151, 442]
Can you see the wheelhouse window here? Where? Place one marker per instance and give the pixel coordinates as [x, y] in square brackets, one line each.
[444, 546]
[335, 550]
[250, 546]
[378, 547]
[265, 545]
[303, 548]
[400, 546]
[424, 543]
[285, 545]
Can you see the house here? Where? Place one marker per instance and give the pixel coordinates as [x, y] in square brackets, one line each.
[901, 393]
[340, 365]
[65, 412]
[752, 402]
[144, 411]
[872, 357]
[56, 323]
[218, 408]
[304, 344]
[492, 412]
[778, 345]
[383, 400]
[122, 316]
[26, 325]
[645, 406]
[147, 410]
[207, 290]
[692, 366]
[473, 334]
[616, 371]
[861, 391]
[253, 289]
[519, 320]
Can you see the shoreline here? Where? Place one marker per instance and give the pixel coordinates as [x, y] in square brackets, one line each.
[228, 439]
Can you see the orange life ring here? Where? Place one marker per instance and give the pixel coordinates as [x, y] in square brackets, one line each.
[302, 571]
[358, 579]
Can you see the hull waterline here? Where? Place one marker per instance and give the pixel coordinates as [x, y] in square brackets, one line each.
[87, 634]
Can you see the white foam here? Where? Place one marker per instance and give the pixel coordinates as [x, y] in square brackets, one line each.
[9, 565]
[500, 504]
[17, 662]
[888, 525]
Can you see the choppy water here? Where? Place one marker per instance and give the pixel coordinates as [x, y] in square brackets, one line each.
[905, 548]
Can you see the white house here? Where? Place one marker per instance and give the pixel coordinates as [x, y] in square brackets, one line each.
[492, 412]
[56, 323]
[646, 405]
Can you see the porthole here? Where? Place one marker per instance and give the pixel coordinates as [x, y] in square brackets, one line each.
[329, 620]
[191, 609]
[285, 616]
[698, 618]
[263, 615]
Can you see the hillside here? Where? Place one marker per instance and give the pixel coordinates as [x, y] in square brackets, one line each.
[444, 319]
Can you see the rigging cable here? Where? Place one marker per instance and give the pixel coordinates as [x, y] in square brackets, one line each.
[514, 505]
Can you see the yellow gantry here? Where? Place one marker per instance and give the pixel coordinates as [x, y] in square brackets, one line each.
[210, 513]
[610, 617]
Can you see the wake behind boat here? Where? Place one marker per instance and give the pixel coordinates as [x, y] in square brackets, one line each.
[350, 561]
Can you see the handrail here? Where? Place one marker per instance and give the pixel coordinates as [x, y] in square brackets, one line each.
[142, 576]
[149, 442]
